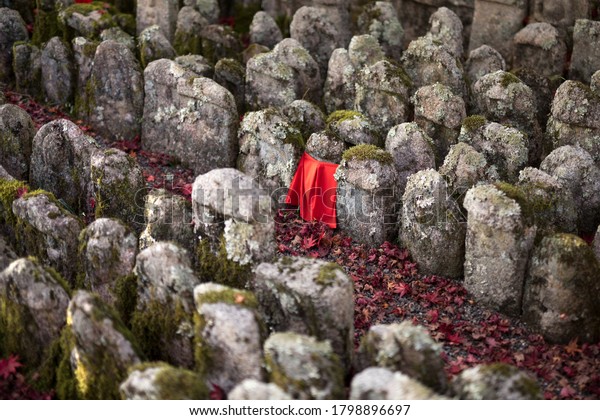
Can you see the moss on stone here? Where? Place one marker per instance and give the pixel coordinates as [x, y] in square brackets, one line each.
[571, 250]
[14, 335]
[155, 325]
[532, 205]
[56, 276]
[203, 355]
[217, 268]
[45, 27]
[66, 383]
[473, 122]
[342, 115]
[230, 296]
[327, 274]
[508, 78]
[9, 191]
[125, 291]
[175, 383]
[368, 152]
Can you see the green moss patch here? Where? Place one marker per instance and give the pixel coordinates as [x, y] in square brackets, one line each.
[217, 268]
[508, 79]
[474, 122]
[175, 383]
[156, 325]
[532, 205]
[368, 152]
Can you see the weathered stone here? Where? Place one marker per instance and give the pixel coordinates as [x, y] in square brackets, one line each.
[326, 147]
[380, 20]
[364, 50]
[576, 168]
[83, 56]
[315, 30]
[107, 251]
[219, 42]
[157, 12]
[433, 228]
[119, 187]
[505, 99]
[250, 389]
[309, 297]
[463, 168]
[412, 150]
[270, 148]
[154, 45]
[383, 95]
[575, 118]
[557, 209]
[162, 319]
[229, 336]
[12, 29]
[584, 59]
[540, 46]
[264, 30]
[504, 148]
[168, 218]
[495, 23]
[116, 84]
[119, 35]
[58, 79]
[16, 134]
[87, 19]
[230, 74]
[304, 367]
[560, 13]
[60, 163]
[209, 9]
[281, 76]
[447, 28]
[377, 383]
[497, 381]
[439, 113]
[366, 195]
[306, 116]
[406, 348]
[2, 98]
[7, 255]
[230, 209]
[47, 231]
[97, 350]
[543, 89]
[562, 293]
[352, 127]
[187, 35]
[339, 90]
[483, 60]
[196, 64]
[189, 117]
[159, 381]
[428, 62]
[33, 304]
[27, 68]
[497, 249]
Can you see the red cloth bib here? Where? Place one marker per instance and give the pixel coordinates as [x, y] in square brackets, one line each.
[314, 190]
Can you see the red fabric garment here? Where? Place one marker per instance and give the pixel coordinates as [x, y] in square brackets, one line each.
[314, 190]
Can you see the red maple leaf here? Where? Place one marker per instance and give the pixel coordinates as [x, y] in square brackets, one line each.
[9, 366]
[402, 289]
[308, 243]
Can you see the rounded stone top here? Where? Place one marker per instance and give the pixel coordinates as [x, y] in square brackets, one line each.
[539, 34]
[492, 207]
